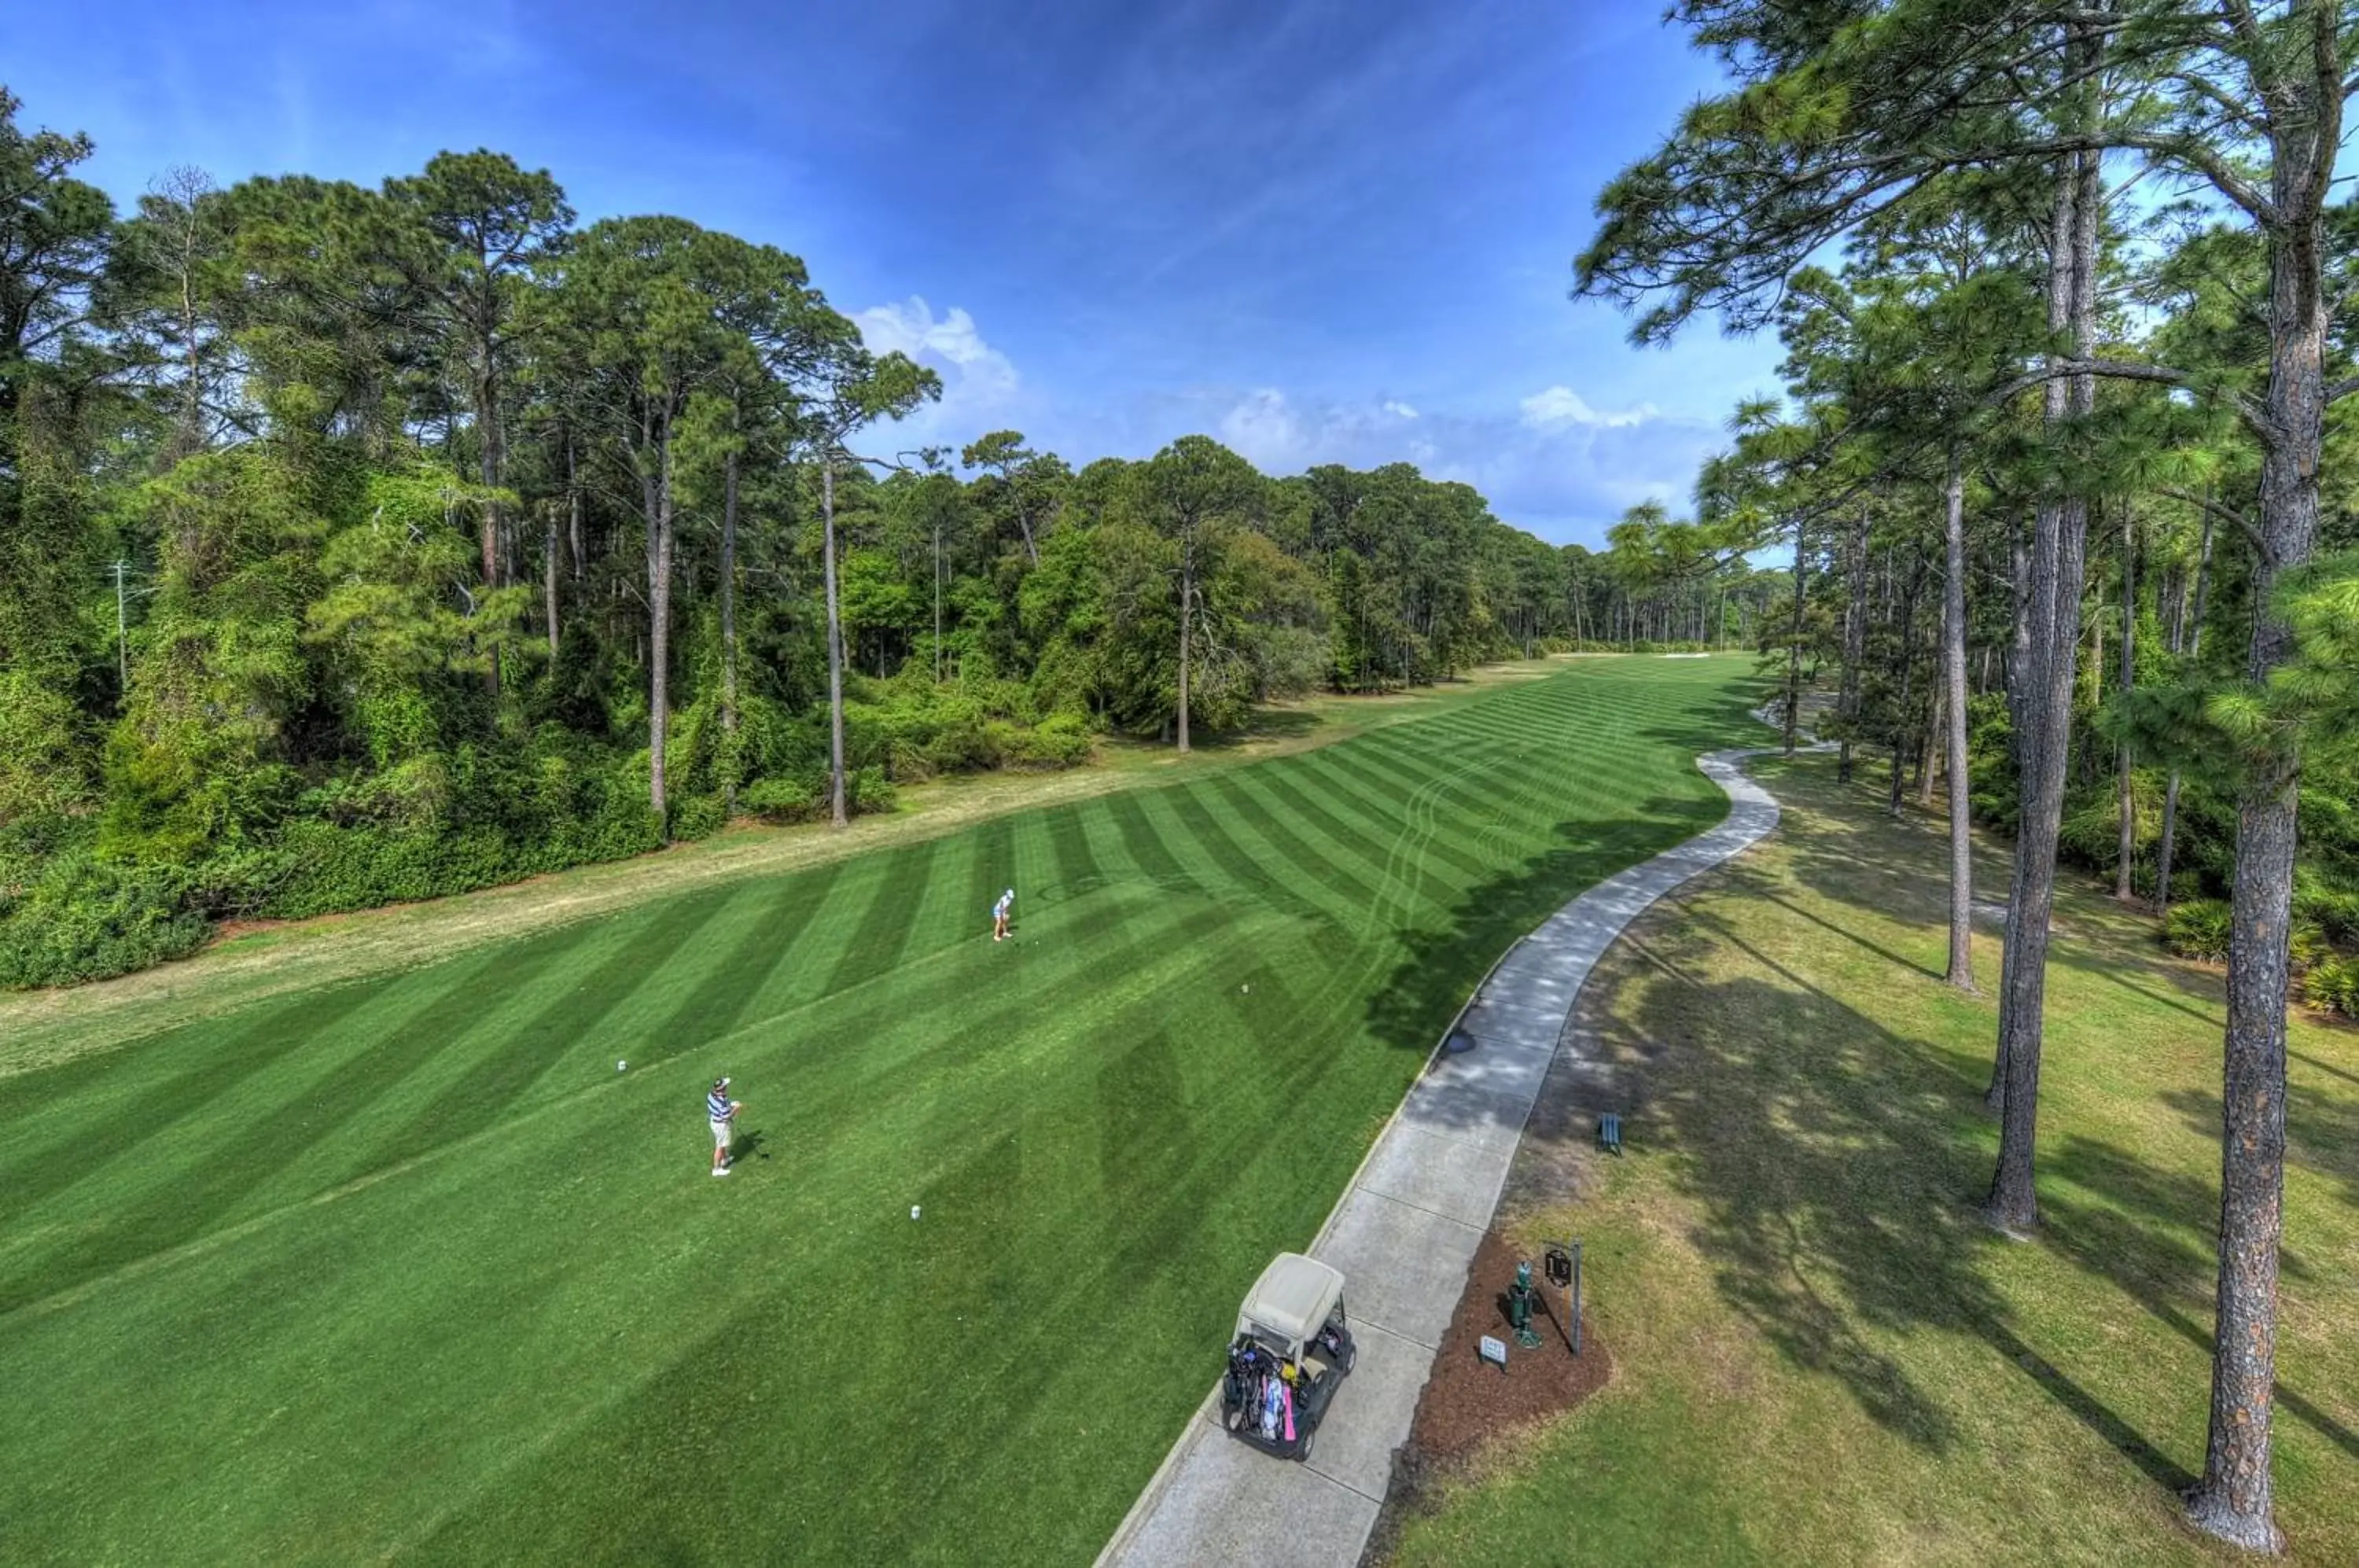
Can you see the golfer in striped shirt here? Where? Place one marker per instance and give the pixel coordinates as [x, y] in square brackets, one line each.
[722, 1111]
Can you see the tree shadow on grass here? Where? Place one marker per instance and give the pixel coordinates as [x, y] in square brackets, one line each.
[1835, 1159]
[1825, 1159]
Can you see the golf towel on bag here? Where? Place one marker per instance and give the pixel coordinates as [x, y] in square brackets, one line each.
[1271, 1402]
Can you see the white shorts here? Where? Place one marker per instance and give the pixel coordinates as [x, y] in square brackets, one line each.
[720, 1133]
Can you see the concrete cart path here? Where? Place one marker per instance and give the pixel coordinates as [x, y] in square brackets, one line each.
[1404, 1233]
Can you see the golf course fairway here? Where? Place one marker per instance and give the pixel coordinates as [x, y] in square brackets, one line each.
[405, 1268]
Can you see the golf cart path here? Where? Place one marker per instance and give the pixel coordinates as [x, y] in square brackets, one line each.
[1404, 1233]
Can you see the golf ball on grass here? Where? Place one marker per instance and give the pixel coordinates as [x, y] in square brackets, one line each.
[913, 1211]
[620, 1065]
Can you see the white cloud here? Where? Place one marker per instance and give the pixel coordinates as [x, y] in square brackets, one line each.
[1399, 409]
[1263, 427]
[1563, 406]
[981, 389]
[909, 327]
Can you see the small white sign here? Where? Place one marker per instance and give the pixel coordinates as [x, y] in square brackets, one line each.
[1493, 1350]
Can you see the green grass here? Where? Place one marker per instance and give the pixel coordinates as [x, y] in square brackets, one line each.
[402, 1268]
[1821, 1353]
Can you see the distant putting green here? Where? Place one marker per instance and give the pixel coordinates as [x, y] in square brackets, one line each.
[404, 1267]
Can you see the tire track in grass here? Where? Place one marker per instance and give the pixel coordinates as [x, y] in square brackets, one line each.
[1388, 798]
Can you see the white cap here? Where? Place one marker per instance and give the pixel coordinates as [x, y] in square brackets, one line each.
[1010, 893]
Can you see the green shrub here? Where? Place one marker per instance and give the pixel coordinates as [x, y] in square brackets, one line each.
[699, 816]
[1060, 740]
[2332, 984]
[2198, 929]
[866, 791]
[783, 800]
[88, 919]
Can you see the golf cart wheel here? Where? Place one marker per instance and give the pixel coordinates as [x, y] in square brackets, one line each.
[1303, 1449]
[1351, 1356]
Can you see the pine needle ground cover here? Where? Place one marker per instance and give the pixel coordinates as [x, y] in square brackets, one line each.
[405, 1268]
[1820, 1354]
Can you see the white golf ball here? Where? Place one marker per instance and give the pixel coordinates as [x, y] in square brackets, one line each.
[913, 1211]
[620, 1065]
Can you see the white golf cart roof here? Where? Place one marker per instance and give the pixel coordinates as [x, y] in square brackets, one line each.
[1290, 1301]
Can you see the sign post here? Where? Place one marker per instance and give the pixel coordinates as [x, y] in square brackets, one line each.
[1562, 1263]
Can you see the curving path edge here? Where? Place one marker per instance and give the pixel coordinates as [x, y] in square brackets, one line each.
[1404, 1233]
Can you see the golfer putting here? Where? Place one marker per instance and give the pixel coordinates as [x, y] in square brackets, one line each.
[1000, 914]
[721, 1111]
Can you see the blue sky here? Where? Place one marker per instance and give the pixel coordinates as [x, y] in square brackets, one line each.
[1320, 232]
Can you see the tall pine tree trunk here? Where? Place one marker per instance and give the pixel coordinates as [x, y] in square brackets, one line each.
[729, 595]
[1928, 750]
[1960, 972]
[487, 458]
[2192, 643]
[549, 574]
[659, 552]
[2125, 854]
[1857, 569]
[2059, 537]
[1907, 675]
[1187, 604]
[837, 813]
[1794, 654]
[572, 512]
[2235, 1498]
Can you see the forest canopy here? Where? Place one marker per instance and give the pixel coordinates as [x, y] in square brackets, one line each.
[372, 544]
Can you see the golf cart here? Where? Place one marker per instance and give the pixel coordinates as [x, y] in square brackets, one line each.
[1292, 1350]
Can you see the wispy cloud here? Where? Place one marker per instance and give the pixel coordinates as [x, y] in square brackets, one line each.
[1560, 405]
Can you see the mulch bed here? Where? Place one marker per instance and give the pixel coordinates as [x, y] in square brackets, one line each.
[1469, 1399]
[1469, 1402]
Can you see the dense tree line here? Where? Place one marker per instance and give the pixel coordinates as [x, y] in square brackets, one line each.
[2064, 291]
[363, 544]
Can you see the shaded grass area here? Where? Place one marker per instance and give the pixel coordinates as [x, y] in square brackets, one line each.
[1822, 1354]
[403, 1267]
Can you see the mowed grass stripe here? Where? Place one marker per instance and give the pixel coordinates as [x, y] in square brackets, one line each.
[885, 925]
[1075, 863]
[545, 1336]
[92, 1120]
[1328, 866]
